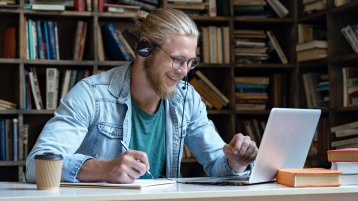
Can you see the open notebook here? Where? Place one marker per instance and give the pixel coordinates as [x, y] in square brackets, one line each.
[138, 184]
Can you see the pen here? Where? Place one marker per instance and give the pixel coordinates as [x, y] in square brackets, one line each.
[126, 148]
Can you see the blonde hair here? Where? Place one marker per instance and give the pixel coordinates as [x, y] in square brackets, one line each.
[160, 24]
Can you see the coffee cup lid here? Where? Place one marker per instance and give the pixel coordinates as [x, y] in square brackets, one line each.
[49, 156]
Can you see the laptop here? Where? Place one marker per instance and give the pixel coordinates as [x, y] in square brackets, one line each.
[285, 144]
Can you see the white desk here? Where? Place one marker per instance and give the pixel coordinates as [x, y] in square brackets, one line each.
[263, 192]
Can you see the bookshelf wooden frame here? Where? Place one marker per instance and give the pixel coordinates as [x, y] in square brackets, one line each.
[226, 119]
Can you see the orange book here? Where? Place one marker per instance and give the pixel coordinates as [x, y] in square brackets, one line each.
[10, 43]
[308, 177]
[343, 155]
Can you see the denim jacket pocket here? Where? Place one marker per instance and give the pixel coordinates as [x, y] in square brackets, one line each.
[110, 130]
[107, 143]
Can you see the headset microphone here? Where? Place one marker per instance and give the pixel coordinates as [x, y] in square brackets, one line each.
[185, 83]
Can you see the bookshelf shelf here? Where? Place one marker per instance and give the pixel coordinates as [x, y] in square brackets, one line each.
[57, 14]
[348, 8]
[317, 17]
[263, 20]
[352, 57]
[271, 66]
[9, 61]
[37, 112]
[9, 112]
[252, 113]
[211, 19]
[12, 163]
[219, 112]
[58, 62]
[204, 65]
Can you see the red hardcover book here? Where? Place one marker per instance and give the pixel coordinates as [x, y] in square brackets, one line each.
[343, 155]
[100, 5]
[80, 5]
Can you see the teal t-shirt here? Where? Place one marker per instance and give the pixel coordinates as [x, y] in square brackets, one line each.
[148, 135]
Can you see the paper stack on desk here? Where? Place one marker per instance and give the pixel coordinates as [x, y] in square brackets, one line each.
[138, 184]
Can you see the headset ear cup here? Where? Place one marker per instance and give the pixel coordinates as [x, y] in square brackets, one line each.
[144, 48]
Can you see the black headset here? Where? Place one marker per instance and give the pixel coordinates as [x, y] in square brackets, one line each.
[144, 48]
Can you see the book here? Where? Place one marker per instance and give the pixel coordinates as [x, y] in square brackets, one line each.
[52, 82]
[137, 184]
[202, 77]
[65, 83]
[348, 179]
[350, 86]
[112, 43]
[308, 177]
[278, 7]
[311, 44]
[349, 125]
[343, 155]
[44, 7]
[9, 45]
[35, 87]
[346, 132]
[277, 47]
[345, 167]
[80, 40]
[312, 54]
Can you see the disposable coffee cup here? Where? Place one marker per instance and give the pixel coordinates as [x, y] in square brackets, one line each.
[48, 171]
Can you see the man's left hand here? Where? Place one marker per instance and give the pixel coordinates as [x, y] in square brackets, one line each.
[241, 152]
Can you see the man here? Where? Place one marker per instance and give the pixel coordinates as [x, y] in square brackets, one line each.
[147, 106]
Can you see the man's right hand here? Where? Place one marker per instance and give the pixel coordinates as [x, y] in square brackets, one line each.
[124, 169]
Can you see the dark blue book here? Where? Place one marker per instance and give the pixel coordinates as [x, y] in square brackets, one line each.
[2, 140]
[113, 45]
[47, 41]
[40, 52]
[52, 38]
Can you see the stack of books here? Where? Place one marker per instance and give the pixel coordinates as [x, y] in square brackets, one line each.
[250, 46]
[312, 42]
[251, 93]
[310, 6]
[193, 7]
[259, 8]
[346, 135]
[7, 105]
[345, 161]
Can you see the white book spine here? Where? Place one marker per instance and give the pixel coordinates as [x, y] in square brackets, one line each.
[35, 90]
[52, 79]
[277, 47]
[65, 83]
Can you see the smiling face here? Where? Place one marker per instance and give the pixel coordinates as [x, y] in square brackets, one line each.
[162, 77]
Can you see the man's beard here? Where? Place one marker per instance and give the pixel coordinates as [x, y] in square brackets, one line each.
[154, 80]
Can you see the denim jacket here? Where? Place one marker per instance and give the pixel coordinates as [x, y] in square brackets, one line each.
[95, 115]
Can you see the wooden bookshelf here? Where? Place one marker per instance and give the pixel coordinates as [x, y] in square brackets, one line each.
[228, 120]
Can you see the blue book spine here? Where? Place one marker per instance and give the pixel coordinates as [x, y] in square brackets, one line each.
[52, 38]
[2, 140]
[15, 139]
[112, 44]
[47, 41]
[40, 51]
[29, 38]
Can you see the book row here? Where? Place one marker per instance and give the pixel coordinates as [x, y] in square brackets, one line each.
[34, 93]
[9, 143]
